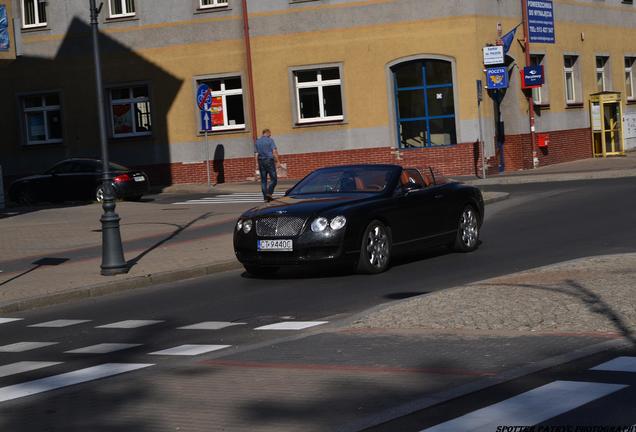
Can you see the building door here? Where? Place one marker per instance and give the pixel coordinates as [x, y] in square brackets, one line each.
[425, 105]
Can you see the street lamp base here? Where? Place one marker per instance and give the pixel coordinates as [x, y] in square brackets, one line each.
[112, 271]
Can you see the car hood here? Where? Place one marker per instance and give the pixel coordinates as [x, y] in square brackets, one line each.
[306, 205]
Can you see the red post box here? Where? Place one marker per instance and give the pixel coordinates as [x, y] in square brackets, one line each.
[543, 140]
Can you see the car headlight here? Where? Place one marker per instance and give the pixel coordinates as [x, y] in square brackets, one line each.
[247, 226]
[239, 225]
[319, 224]
[338, 223]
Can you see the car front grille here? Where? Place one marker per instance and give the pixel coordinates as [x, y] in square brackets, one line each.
[284, 226]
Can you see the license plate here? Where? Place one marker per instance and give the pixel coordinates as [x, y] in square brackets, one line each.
[139, 178]
[275, 245]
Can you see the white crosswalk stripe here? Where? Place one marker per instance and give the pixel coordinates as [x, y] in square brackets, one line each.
[233, 198]
[8, 320]
[210, 325]
[291, 325]
[59, 323]
[129, 324]
[190, 350]
[54, 382]
[103, 348]
[24, 366]
[530, 408]
[619, 364]
[24, 346]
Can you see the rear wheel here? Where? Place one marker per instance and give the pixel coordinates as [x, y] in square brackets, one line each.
[375, 250]
[99, 194]
[260, 271]
[467, 238]
[26, 197]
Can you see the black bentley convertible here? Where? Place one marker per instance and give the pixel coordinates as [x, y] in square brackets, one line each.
[359, 214]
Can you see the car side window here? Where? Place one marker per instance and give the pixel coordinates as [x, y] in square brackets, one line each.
[85, 167]
[62, 168]
[415, 177]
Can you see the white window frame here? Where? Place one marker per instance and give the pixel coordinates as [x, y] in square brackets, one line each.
[224, 93]
[571, 71]
[38, 22]
[602, 72]
[538, 92]
[44, 109]
[629, 76]
[125, 12]
[319, 83]
[130, 100]
[214, 4]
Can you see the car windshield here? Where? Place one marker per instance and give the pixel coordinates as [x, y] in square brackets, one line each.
[345, 180]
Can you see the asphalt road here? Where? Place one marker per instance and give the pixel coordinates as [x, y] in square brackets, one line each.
[540, 224]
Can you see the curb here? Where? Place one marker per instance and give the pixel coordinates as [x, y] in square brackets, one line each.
[549, 178]
[117, 286]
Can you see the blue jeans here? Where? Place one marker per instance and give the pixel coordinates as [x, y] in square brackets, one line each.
[267, 167]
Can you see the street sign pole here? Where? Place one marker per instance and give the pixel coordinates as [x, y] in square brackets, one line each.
[526, 36]
[207, 158]
[480, 96]
[113, 262]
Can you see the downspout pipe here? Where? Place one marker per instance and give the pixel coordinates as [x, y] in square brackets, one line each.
[526, 37]
[250, 75]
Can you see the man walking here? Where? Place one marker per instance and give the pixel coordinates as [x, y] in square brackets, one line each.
[268, 160]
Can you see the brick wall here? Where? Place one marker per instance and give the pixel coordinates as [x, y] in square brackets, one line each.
[462, 159]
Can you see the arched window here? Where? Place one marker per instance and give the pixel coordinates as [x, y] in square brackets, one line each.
[425, 105]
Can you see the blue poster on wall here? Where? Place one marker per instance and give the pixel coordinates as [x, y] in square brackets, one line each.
[4, 29]
[541, 21]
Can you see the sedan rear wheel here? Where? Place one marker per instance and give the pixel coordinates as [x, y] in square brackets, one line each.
[375, 251]
[467, 238]
[99, 194]
[26, 197]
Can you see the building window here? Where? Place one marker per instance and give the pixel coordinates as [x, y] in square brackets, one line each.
[122, 8]
[540, 94]
[225, 107]
[130, 111]
[207, 4]
[318, 95]
[602, 74]
[425, 103]
[630, 90]
[42, 116]
[572, 82]
[33, 13]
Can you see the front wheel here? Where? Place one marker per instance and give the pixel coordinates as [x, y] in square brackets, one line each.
[375, 250]
[467, 238]
[99, 194]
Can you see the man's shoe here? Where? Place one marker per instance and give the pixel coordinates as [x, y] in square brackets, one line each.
[268, 198]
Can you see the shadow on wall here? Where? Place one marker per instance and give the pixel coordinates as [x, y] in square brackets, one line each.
[136, 124]
[219, 163]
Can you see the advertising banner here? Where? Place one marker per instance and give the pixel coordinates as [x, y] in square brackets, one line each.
[4, 29]
[541, 21]
[493, 55]
[217, 111]
[496, 78]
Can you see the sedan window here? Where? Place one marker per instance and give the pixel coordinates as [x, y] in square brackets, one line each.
[345, 180]
[62, 168]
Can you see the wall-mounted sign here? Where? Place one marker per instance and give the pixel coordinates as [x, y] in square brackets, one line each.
[532, 77]
[217, 111]
[496, 78]
[541, 21]
[629, 125]
[493, 55]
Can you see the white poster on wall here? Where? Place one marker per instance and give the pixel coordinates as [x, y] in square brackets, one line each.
[629, 125]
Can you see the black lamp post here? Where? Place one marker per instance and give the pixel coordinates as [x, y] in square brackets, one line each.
[113, 262]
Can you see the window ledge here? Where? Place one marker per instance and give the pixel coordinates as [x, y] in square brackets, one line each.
[432, 147]
[58, 143]
[199, 11]
[542, 107]
[223, 132]
[117, 19]
[631, 101]
[34, 29]
[320, 123]
[133, 139]
[575, 105]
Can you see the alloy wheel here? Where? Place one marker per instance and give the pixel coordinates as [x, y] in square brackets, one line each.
[377, 247]
[469, 228]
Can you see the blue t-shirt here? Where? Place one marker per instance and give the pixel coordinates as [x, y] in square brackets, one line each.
[265, 147]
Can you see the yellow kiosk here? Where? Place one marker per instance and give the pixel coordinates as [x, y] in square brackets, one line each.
[606, 117]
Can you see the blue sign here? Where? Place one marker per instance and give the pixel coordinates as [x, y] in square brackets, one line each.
[4, 29]
[204, 97]
[496, 78]
[541, 21]
[532, 76]
[206, 120]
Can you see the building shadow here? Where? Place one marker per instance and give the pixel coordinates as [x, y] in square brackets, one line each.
[71, 75]
[219, 164]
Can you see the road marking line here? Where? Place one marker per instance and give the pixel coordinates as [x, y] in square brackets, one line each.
[530, 408]
[8, 320]
[23, 366]
[129, 324]
[67, 379]
[291, 325]
[619, 364]
[24, 346]
[190, 350]
[209, 325]
[59, 323]
[102, 348]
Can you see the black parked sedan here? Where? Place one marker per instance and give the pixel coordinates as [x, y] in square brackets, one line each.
[359, 214]
[78, 180]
